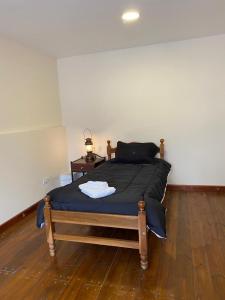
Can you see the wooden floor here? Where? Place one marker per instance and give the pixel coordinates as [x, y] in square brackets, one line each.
[190, 264]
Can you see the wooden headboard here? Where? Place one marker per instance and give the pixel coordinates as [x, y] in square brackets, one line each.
[111, 150]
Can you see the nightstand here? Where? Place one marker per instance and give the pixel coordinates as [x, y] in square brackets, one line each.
[80, 165]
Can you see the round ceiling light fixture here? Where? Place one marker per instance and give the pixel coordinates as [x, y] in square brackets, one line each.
[130, 16]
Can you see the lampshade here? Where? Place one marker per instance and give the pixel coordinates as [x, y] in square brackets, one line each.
[89, 144]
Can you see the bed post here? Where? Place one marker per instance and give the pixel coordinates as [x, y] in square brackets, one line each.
[49, 226]
[161, 148]
[109, 150]
[142, 233]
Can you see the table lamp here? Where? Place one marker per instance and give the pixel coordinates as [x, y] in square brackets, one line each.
[89, 148]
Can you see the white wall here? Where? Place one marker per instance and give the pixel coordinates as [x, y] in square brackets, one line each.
[26, 158]
[173, 90]
[28, 88]
[32, 140]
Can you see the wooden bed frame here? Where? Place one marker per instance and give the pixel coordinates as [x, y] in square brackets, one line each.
[100, 219]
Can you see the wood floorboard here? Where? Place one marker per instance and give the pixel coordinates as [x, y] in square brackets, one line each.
[189, 265]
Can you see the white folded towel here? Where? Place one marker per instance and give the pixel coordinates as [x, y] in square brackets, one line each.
[96, 189]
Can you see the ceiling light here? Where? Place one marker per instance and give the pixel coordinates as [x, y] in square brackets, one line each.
[130, 16]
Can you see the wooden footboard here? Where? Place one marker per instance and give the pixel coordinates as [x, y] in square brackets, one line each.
[97, 219]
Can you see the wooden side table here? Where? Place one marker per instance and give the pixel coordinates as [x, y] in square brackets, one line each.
[80, 165]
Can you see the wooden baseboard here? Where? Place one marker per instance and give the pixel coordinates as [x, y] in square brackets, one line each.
[18, 217]
[196, 188]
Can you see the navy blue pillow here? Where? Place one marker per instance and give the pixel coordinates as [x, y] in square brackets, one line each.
[135, 152]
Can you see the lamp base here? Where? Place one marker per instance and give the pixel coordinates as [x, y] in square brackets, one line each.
[90, 157]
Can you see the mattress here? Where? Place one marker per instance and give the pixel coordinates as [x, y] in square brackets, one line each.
[133, 182]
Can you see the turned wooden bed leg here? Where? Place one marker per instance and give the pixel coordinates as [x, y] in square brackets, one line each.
[161, 147]
[109, 150]
[142, 233]
[49, 226]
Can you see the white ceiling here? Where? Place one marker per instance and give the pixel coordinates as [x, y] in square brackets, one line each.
[71, 27]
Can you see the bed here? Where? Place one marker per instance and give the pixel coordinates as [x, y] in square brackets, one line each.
[136, 204]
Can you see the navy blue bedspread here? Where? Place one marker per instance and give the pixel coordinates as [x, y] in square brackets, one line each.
[133, 182]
